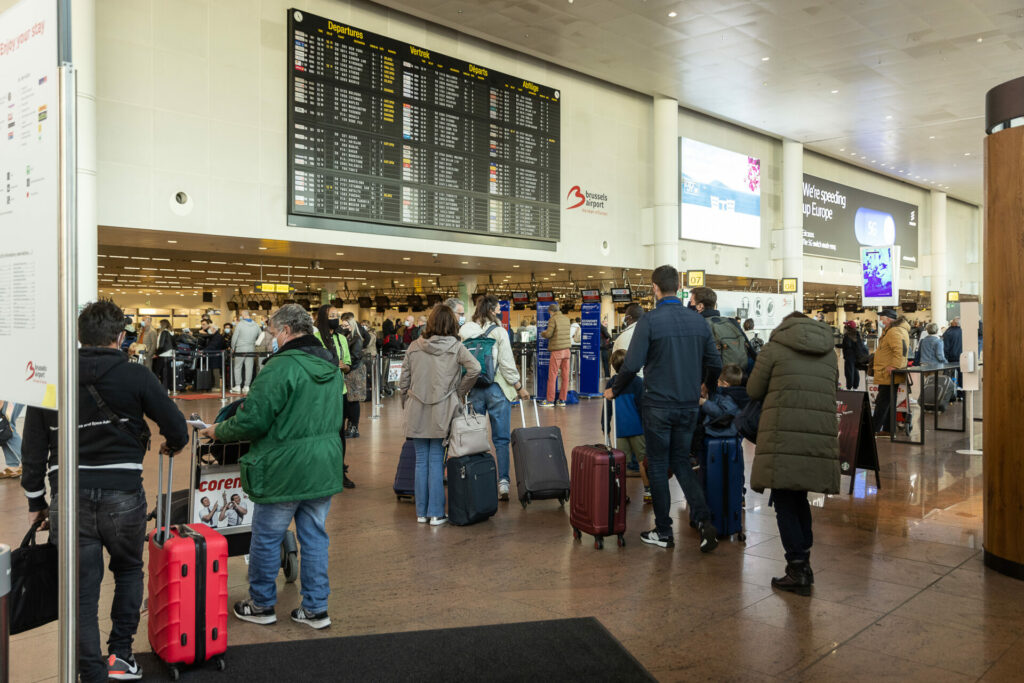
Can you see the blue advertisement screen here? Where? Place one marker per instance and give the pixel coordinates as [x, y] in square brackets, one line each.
[878, 272]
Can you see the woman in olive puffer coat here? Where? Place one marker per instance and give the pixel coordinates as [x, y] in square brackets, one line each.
[797, 451]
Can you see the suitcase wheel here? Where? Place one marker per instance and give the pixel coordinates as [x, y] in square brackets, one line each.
[523, 502]
[577, 534]
[561, 501]
[221, 664]
[622, 540]
[598, 543]
[290, 567]
[742, 536]
[174, 672]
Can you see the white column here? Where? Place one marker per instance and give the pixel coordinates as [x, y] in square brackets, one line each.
[467, 287]
[793, 216]
[608, 309]
[83, 55]
[938, 259]
[666, 182]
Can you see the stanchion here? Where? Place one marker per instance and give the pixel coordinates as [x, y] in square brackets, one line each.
[5, 612]
[223, 378]
[970, 450]
[375, 388]
[174, 372]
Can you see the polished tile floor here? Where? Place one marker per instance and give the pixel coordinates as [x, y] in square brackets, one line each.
[901, 592]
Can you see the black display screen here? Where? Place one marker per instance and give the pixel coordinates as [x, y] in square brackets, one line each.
[388, 132]
[622, 295]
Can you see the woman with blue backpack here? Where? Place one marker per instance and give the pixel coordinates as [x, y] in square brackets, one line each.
[498, 383]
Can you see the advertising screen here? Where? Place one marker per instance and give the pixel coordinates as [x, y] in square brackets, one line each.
[720, 195]
[880, 276]
[839, 220]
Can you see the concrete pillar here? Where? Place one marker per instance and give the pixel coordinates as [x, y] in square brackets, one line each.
[83, 51]
[467, 287]
[666, 182]
[793, 216]
[608, 309]
[938, 259]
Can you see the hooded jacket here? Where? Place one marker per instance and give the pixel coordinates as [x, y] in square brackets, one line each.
[296, 453]
[795, 377]
[433, 385]
[109, 456]
[893, 350]
[953, 343]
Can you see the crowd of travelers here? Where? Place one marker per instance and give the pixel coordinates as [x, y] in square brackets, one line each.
[678, 375]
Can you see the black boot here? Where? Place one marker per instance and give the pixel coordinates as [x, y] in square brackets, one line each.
[797, 579]
[346, 482]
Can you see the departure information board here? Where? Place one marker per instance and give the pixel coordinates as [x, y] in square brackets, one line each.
[387, 132]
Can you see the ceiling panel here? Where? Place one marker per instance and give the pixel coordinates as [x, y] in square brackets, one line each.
[919, 61]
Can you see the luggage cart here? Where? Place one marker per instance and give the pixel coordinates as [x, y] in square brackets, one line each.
[215, 477]
[394, 365]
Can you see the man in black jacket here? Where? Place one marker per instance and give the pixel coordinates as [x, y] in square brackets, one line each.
[678, 353]
[114, 397]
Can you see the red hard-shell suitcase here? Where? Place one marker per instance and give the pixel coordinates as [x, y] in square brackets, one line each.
[598, 500]
[188, 590]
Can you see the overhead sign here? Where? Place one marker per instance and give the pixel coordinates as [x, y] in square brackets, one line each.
[274, 288]
[952, 296]
[29, 199]
[839, 220]
[695, 278]
[789, 285]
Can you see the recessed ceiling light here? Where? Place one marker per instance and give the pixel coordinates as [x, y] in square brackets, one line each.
[263, 248]
[765, 59]
[967, 154]
[172, 241]
[465, 263]
[516, 266]
[931, 137]
[980, 39]
[673, 15]
[407, 258]
[835, 92]
[547, 278]
[339, 253]
[562, 269]
[590, 276]
[600, 272]
[888, 117]
[842, 149]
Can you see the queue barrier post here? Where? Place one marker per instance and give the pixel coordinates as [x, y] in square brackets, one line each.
[174, 372]
[375, 388]
[223, 378]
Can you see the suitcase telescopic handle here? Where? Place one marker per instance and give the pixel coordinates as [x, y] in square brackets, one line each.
[608, 427]
[522, 413]
[163, 514]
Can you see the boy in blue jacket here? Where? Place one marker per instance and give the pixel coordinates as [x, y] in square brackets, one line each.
[629, 429]
[718, 410]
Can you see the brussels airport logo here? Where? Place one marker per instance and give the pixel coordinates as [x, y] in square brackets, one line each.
[587, 202]
[36, 373]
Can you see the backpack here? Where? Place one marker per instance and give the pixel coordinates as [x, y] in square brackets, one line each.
[483, 350]
[756, 344]
[731, 341]
[864, 358]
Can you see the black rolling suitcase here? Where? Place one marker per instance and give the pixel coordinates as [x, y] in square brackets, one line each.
[472, 489]
[204, 375]
[936, 395]
[405, 475]
[542, 471]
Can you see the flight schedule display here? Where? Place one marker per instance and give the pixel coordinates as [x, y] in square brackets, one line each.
[388, 132]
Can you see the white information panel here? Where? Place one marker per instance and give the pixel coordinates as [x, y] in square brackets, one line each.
[766, 310]
[29, 198]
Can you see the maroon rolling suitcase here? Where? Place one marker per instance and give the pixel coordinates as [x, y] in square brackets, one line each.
[598, 499]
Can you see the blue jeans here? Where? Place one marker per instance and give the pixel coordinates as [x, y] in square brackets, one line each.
[491, 400]
[269, 523]
[115, 520]
[12, 448]
[429, 487]
[668, 432]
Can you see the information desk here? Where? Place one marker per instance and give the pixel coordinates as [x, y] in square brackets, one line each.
[923, 370]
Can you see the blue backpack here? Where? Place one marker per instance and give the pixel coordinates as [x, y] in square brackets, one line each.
[483, 350]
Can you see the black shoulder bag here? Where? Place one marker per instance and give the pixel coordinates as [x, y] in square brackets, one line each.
[34, 583]
[115, 419]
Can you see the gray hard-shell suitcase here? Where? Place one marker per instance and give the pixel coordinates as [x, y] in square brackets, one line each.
[937, 395]
[542, 471]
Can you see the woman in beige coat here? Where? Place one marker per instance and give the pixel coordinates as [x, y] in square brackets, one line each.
[433, 387]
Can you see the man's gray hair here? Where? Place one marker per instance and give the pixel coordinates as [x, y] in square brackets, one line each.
[454, 303]
[932, 328]
[294, 317]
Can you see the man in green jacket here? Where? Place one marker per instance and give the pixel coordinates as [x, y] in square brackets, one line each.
[294, 466]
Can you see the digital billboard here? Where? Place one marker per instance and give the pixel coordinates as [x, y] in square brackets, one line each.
[880, 276]
[839, 220]
[720, 195]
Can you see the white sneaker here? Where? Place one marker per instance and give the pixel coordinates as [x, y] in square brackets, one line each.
[438, 521]
[503, 490]
[421, 520]
[245, 390]
[236, 390]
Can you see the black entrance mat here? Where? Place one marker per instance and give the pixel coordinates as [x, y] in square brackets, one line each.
[556, 650]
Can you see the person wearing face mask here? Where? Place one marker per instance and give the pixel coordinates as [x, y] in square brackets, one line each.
[496, 399]
[328, 330]
[294, 466]
[355, 380]
[458, 308]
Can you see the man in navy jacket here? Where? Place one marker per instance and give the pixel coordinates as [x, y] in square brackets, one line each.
[677, 351]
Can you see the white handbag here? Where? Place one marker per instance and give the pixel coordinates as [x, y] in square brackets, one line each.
[468, 433]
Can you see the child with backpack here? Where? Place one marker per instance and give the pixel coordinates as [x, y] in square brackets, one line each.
[629, 428]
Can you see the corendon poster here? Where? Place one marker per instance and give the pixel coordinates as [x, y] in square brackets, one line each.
[29, 196]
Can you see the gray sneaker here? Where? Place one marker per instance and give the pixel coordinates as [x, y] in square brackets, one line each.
[301, 615]
[123, 669]
[246, 610]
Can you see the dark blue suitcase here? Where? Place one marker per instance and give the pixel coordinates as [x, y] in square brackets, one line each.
[405, 476]
[472, 489]
[721, 475]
